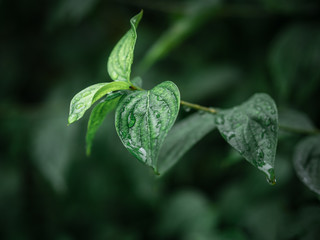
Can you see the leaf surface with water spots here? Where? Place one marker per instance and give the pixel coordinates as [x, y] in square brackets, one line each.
[144, 118]
[252, 129]
[98, 114]
[83, 100]
[307, 162]
[121, 57]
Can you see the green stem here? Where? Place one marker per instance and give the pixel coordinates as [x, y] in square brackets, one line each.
[198, 107]
[214, 111]
[297, 130]
[184, 103]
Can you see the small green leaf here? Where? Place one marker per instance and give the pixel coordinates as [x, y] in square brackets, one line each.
[121, 57]
[82, 101]
[252, 129]
[144, 118]
[183, 136]
[98, 114]
[307, 162]
[110, 87]
[137, 81]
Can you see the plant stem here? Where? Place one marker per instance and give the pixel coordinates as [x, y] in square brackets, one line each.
[198, 107]
[183, 103]
[214, 111]
[297, 130]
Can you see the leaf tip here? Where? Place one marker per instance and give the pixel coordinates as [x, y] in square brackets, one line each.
[136, 19]
[88, 151]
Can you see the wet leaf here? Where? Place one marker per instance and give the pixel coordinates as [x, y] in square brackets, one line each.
[83, 100]
[97, 116]
[252, 129]
[307, 162]
[121, 57]
[144, 118]
[183, 136]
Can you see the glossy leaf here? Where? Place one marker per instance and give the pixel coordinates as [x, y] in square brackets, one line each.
[97, 116]
[144, 118]
[183, 136]
[252, 129]
[121, 57]
[82, 101]
[307, 162]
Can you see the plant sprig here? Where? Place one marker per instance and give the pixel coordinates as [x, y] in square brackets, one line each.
[143, 118]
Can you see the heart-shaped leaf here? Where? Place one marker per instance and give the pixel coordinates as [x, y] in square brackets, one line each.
[98, 114]
[307, 162]
[144, 118]
[83, 100]
[252, 129]
[121, 57]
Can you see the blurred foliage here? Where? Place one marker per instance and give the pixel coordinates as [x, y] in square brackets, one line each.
[219, 53]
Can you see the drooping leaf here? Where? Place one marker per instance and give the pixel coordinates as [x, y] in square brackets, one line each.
[121, 57]
[252, 129]
[83, 100]
[98, 114]
[180, 30]
[144, 118]
[183, 136]
[295, 121]
[307, 162]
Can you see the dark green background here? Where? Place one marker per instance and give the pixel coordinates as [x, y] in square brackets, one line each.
[50, 50]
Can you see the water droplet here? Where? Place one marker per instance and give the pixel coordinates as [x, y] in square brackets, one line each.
[219, 119]
[260, 154]
[269, 145]
[131, 120]
[267, 122]
[258, 108]
[263, 133]
[85, 94]
[271, 179]
[232, 135]
[187, 109]
[79, 106]
[73, 118]
[114, 75]
[273, 128]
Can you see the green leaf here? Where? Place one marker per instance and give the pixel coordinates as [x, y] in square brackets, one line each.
[82, 101]
[121, 57]
[144, 118]
[183, 136]
[98, 114]
[110, 87]
[137, 81]
[295, 121]
[252, 129]
[307, 162]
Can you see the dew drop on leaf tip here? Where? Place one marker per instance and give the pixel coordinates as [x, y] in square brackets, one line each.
[271, 181]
